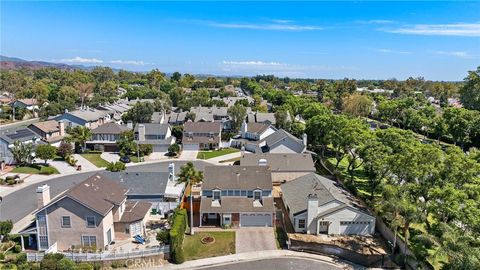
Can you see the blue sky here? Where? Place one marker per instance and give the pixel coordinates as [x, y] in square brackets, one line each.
[371, 40]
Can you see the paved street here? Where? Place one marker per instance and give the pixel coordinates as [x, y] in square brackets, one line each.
[276, 264]
[254, 239]
[19, 204]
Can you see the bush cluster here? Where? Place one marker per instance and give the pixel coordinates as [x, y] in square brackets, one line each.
[177, 233]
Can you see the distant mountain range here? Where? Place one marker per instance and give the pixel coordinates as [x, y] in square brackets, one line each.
[12, 63]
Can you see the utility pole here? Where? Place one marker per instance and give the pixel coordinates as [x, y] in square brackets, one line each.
[191, 208]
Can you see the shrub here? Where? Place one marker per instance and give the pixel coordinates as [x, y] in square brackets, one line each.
[177, 233]
[163, 237]
[66, 264]
[11, 182]
[116, 166]
[47, 170]
[71, 160]
[84, 266]
[22, 258]
[174, 148]
[5, 227]
[17, 249]
[145, 149]
[2, 256]
[48, 264]
[64, 150]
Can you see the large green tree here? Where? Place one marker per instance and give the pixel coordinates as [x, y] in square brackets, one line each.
[470, 92]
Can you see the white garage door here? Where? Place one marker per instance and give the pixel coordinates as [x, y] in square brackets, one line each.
[256, 220]
[191, 146]
[355, 227]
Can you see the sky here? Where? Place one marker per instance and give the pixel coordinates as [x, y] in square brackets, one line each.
[361, 40]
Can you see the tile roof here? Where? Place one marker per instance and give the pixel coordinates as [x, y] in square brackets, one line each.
[237, 177]
[290, 162]
[47, 126]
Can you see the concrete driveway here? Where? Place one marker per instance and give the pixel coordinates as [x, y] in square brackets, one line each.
[189, 155]
[254, 239]
[110, 156]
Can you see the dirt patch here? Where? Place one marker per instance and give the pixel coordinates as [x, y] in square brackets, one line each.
[361, 244]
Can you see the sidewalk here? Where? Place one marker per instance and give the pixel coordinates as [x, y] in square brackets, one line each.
[216, 160]
[255, 256]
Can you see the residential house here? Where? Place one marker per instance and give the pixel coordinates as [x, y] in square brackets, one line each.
[212, 114]
[266, 118]
[278, 142]
[94, 213]
[30, 104]
[115, 110]
[256, 131]
[201, 135]
[159, 118]
[238, 196]
[284, 167]
[176, 118]
[87, 117]
[317, 205]
[157, 135]
[105, 137]
[51, 131]
[7, 140]
[161, 189]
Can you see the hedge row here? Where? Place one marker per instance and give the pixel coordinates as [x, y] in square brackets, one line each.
[177, 233]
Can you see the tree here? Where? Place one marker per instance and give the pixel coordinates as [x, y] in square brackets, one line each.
[45, 152]
[376, 163]
[470, 92]
[317, 130]
[188, 173]
[174, 148]
[141, 112]
[358, 105]
[282, 118]
[79, 135]
[85, 90]
[5, 227]
[116, 166]
[459, 124]
[314, 109]
[22, 153]
[126, 143]
[176, 76]
[237, 113]
[64, 149]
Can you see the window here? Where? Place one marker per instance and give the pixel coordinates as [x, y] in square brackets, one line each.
[249, 194]
[237, 192]
[216, 195]
[257, 195]
[224, 193]
[43, 241]
[66, 222]
[89, 240]
[230, 193]
[91, 222]
[227, 219]
[244, 193]
[301, 223]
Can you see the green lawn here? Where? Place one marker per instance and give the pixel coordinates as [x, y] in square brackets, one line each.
[216, 153]
[35, 169]
[95, 159]
[194, 249]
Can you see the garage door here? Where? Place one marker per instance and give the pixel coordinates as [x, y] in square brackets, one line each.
[191, 146]
[160, 148]
[256, 220]
[354, 227]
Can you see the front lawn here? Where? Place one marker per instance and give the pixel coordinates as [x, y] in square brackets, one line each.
[35, 169]
[216, 153]
[194, 249]
[95, 159]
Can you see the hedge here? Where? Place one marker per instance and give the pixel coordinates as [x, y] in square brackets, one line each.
[177, 233]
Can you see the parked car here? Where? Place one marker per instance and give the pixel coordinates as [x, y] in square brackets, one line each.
[125, 159]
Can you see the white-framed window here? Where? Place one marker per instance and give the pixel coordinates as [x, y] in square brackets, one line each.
[216, 195]
[66, 222]
[257, 195]
[89, 240]
[43, 241]
[301, 223]
[91, 222]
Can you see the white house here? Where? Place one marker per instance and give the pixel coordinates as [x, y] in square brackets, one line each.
[317, 205]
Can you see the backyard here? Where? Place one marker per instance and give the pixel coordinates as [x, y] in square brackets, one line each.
[216, 153]
[95, 159]
[223, 244]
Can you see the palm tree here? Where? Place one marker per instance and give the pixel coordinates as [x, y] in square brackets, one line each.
[80, 135]
[190, 176]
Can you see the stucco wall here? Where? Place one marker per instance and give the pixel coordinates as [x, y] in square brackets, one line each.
[349, 215]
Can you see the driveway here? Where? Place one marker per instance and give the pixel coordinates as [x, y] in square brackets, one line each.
[189, 155]
[254, 239]
[110, 157]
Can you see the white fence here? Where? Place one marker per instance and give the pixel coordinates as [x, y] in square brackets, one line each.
[105, 256]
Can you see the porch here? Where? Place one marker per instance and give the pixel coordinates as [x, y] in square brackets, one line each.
[219, 220]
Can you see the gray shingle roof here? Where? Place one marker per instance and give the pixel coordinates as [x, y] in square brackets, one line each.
[22, 135]
[295, 192]
[202, 127]
[281, 162]
[237, 177]
[281, 135]
[89, 115]
[236, 205]
[141, 183]
[110, 128]
[135, 210]
[153, 129]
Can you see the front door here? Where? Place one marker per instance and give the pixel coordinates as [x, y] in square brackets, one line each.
[227, 219]
[323, 227]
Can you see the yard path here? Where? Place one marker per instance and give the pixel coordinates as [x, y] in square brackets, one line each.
[86, 165]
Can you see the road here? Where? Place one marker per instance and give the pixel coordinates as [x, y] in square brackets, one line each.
[276, 264]
[19, 204]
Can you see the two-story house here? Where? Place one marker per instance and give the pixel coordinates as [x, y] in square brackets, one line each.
[212, 114]
[105, 137]
[201, 135]
[87, 117]
[94, 213]
[157, 135]
[50, 131]
[238, 196]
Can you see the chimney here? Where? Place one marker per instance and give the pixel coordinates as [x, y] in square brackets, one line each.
[61, 126]
[141, 132]
[66, 110]
[304, 137]
[243, 129]
[262, 162]
[171, 171]
[43, 195]
[312, 212]
[130, 124]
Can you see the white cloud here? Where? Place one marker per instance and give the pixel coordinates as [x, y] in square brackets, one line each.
[376, 22]
[128, 62]
[391, 51]
[456, 29]
[82, 60]
[281, 21]
[253, 63]
[279, 26]
[458, 54]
